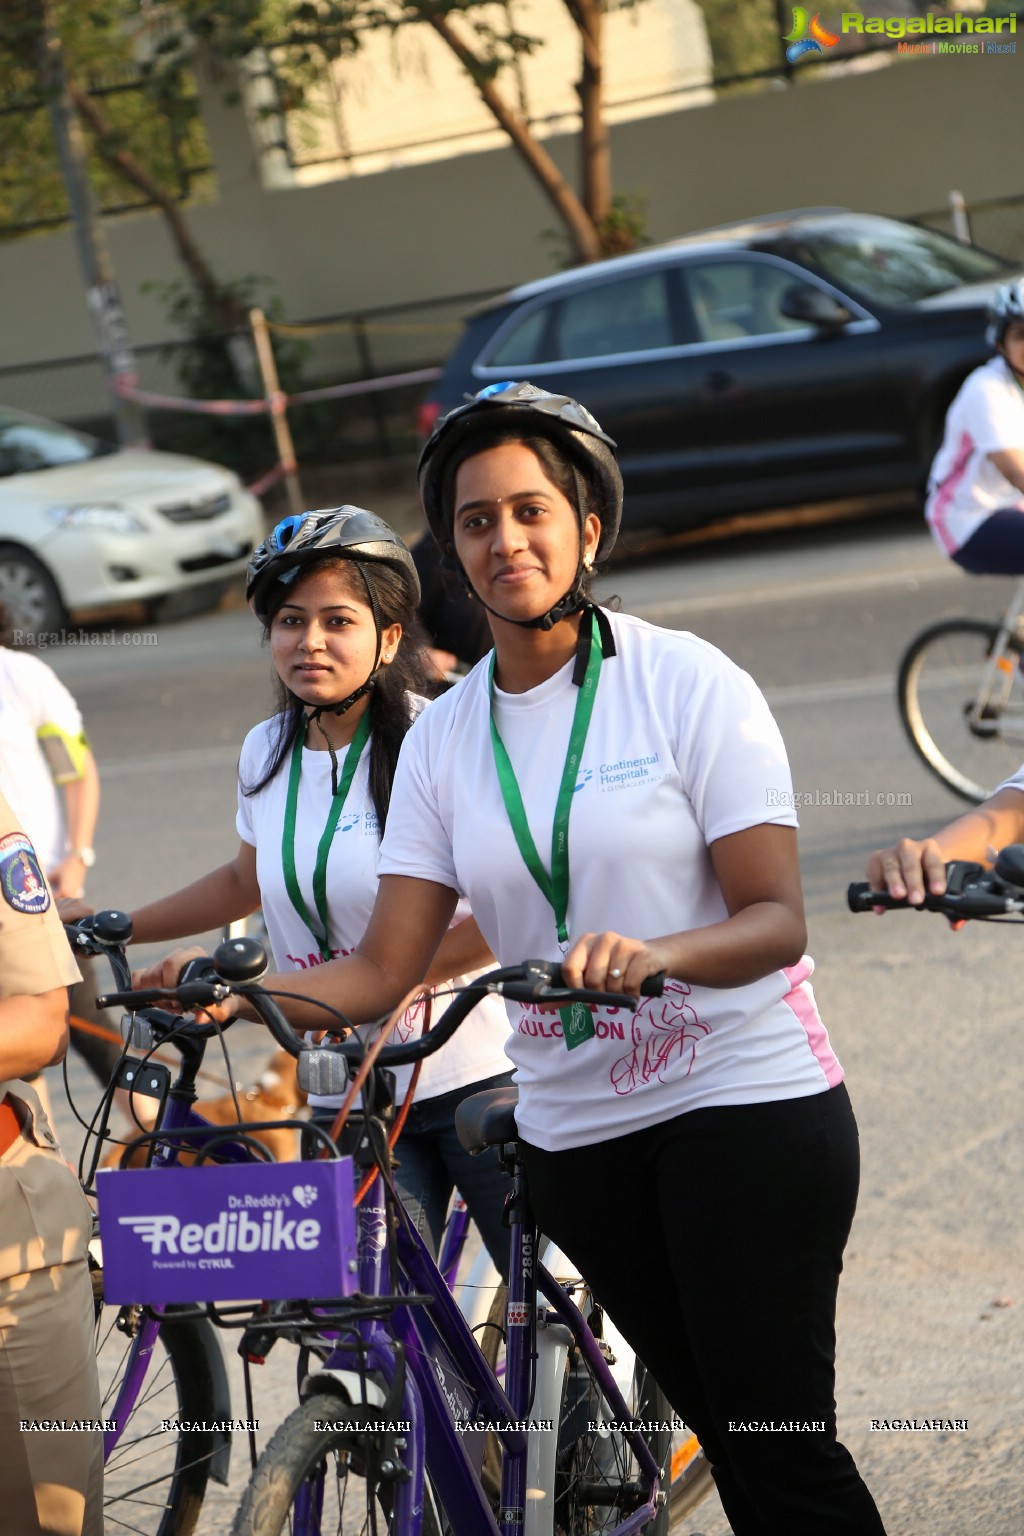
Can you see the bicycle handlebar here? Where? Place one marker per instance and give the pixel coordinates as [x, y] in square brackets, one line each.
[972, 890]
[203, 983]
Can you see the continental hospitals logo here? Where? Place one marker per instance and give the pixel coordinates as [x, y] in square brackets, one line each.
[953, 33]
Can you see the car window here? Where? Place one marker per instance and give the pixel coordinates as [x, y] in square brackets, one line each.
[631, 314]
[28, 443]
[889, 262]
[738, 298]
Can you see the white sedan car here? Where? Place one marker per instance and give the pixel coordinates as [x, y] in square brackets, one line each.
[86, 526]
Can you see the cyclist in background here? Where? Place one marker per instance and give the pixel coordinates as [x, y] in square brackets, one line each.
[335, 590]
[975, 505]
[617, 796]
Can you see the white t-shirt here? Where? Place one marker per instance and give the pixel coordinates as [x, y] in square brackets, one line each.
[682, 750]
[478, 1050]
[964, 487]
[1015, 781]
[31, 698]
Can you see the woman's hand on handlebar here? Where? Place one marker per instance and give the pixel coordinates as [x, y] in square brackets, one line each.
[610, 962]
[167, 973]
[906, 869]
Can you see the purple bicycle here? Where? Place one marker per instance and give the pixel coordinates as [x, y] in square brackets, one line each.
[398, 1400]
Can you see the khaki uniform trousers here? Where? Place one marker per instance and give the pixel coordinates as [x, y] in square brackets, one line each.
[51, 1479]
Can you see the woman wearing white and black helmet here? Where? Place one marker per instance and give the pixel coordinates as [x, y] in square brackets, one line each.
[616, 795]
[337, 592]
[975, 506]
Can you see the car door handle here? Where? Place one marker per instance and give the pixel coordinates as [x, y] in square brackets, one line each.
[718, 382]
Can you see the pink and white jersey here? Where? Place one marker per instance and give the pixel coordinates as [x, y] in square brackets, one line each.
[964, 487]
[682, 750]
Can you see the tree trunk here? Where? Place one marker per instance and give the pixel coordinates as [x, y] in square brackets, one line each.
[226, 313]
[570, 209]
[595, 154]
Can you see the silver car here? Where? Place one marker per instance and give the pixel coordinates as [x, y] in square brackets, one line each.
[85, 526]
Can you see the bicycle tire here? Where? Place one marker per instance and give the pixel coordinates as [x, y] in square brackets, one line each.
[296, 1460]
[688, 1477]
[939, 680]
[596, 1472]
[154, 1481]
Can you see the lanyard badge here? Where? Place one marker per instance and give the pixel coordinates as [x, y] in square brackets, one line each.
[320, 933]
[577, 1019]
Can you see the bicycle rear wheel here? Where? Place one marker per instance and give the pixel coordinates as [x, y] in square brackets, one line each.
[312, 1480]
[596, 1476]
[969, 742]
[688, 1477]
[154, 1479]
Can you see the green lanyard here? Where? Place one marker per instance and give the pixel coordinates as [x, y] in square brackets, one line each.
[355, 752]
[577, 1020]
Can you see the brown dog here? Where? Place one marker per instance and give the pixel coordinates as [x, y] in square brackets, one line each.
[274, 1096]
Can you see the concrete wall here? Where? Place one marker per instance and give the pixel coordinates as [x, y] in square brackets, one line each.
[891, 140]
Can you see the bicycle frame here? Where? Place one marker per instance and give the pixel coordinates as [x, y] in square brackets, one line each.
[448, 1382]
[1000, 673]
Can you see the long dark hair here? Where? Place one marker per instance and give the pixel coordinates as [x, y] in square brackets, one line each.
[389, 706]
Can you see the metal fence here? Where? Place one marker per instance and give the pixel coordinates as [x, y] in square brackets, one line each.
[336, 349]
[995, 225]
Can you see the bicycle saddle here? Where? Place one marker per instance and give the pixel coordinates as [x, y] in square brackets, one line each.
[487, 1119]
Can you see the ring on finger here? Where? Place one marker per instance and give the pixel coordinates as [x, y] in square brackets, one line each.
[615, 972]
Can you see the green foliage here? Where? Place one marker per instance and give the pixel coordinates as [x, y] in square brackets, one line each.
[624, 230]
[151, 106]
[744, 35]
[212, 366]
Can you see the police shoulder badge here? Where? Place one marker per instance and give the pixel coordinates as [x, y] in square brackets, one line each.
[21, 879]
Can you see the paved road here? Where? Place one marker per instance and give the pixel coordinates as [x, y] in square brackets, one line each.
[932, 1309]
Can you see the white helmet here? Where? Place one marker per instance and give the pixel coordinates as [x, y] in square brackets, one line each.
[1007, 304]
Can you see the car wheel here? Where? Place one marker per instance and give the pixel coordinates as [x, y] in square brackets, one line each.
[29, 593]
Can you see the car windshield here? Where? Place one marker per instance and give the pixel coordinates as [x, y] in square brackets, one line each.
[889, 262]
[28, 443]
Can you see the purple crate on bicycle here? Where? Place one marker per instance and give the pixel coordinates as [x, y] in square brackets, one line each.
[268, 1230]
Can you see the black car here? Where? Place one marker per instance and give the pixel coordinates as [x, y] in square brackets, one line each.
[796, 358]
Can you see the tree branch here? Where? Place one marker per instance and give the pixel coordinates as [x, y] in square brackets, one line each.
[580, 225]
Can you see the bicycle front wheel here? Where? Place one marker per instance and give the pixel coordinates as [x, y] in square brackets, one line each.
[154, 1478]
[312, 1480]
[969, 741]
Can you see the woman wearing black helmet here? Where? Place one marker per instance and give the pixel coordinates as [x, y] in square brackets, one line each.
[335, 591]
[617, 795]
[976, 486]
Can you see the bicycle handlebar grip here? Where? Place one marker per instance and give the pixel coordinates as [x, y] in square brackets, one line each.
[651, 986]
[142, 999]
[861, 898]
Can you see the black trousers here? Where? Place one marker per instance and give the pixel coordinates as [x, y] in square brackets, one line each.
[715, 1242]
[996, 548]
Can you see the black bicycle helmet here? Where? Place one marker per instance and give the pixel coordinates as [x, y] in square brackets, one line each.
[352, 534]
[349, 532]
[538, 412]
[1006, 304]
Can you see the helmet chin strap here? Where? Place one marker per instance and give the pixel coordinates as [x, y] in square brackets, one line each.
[574, 601]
